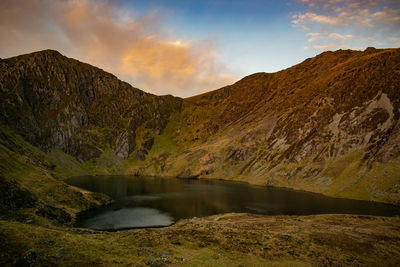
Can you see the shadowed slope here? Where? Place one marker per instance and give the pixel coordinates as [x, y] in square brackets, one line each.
[57, 102]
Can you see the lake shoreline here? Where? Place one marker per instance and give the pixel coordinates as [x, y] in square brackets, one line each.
[159, 201]
[244, 182]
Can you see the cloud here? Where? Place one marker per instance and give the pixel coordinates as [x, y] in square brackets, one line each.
[334, 46]
[303, 20]
[179, 64]
[338, 36]
[334, 24]
[314, 36]
[135, 49]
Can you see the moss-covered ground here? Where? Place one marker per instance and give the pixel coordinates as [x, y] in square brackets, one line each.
[222, 240]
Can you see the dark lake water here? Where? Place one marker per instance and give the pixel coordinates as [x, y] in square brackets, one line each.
[155, 201]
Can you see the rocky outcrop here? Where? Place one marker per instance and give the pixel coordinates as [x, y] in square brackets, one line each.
[12, 197]
[122, 146]
[141, 154]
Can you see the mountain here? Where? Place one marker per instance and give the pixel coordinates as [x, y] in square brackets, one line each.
[329, 124]
[56, 116]
[56, 102]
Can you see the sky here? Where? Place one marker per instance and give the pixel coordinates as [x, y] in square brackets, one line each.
[190, 47]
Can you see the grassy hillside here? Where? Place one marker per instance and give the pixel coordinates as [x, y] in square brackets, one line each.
[31, 188]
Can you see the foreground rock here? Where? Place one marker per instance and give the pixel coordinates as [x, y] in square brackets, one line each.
[230, 240]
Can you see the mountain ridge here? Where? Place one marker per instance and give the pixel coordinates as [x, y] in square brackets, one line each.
[329, 124]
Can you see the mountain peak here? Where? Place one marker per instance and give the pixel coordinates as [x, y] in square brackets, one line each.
[370, 49]
[48, 52]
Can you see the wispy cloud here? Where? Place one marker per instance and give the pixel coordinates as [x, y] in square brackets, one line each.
[135, 49]
[334, 24]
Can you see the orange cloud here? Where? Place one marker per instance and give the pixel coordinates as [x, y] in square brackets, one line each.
[177, 65]
[159, 59]
[135, 49]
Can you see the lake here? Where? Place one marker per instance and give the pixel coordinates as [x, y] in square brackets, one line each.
[155, 201]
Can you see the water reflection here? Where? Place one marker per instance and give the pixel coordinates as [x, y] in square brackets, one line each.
[154, 201]
[127, 218]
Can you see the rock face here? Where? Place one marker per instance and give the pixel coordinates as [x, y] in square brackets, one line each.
[53, 101]
[122, 147]
[329, 124]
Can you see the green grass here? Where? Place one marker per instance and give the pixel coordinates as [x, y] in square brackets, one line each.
[165, 143]
[66, 165]
[37, 172]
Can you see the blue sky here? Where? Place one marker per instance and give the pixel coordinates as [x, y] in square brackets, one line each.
[189, 47]
[250, 36]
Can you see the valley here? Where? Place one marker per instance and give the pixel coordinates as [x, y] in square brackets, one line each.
[328, 125]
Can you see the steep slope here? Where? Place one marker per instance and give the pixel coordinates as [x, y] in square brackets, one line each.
[329, 124]
[30, 190]
[56, 102]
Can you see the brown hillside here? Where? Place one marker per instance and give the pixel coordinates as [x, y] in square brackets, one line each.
[326, 125]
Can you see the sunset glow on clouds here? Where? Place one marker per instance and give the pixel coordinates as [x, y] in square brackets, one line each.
[97, 32]
[189, 47]
[177, 65]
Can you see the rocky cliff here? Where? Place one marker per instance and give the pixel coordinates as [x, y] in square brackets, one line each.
[329, 124]
[56, 102]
